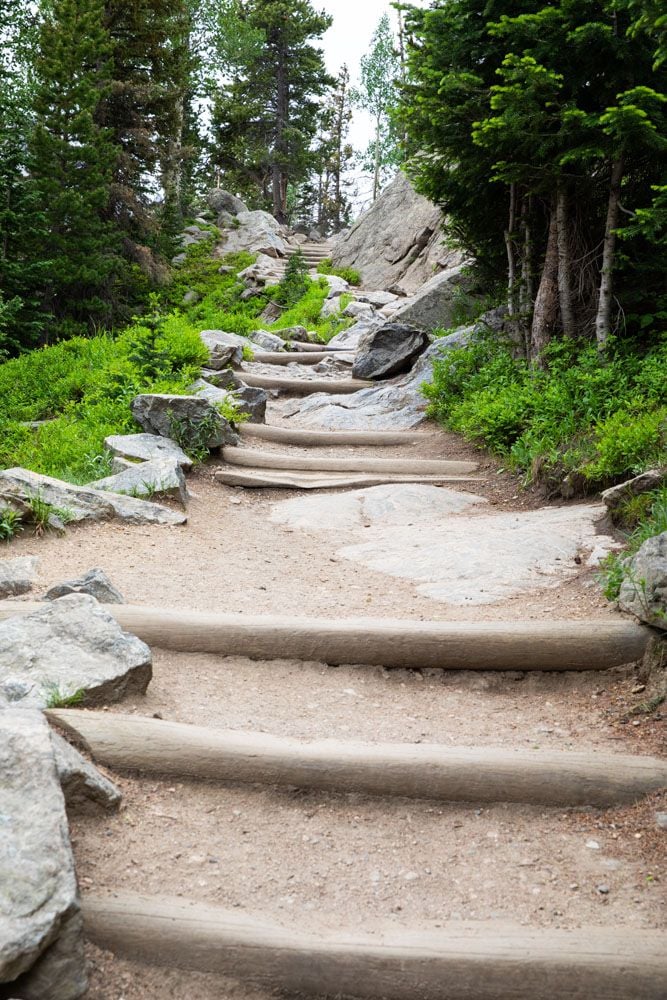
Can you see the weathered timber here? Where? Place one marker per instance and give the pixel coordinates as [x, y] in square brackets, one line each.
[594, 644]
[453, 774]
[325, 439]
[256, 459]
[304, 387]
[275, 479]
[299, 357]
[457, 962]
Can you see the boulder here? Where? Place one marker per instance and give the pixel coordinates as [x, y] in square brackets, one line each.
[265, 271]
[41, 935]
[349, 339]
[438, 302]
[644, 588]
[388, 350]
[377, 299]
[17, 575]
[95, 583]
[398, 240]
[337, 286]
[256, 232]
[160, 413]
[68, 648]
[298, 333]
[617, 496]
[80, 503]
[159, 477]
[358, 310]
[252, 401]
[84, 788]
[191, 298]
[147, 448]
[268, 341]
[219, 200]
[223, 348]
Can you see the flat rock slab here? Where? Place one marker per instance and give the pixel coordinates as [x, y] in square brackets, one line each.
[17, 575]
[459, 558]
[70, 647]
[159, 477]
[146, 448]
[81, 503]
[380, 505]
[41, 939]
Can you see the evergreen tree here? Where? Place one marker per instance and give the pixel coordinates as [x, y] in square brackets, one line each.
[72, 161]
[380, 70]
[266, 113]
[335, 155]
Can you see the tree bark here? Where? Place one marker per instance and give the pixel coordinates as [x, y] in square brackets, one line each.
[565, 263]
[603, 317]
[545, 313]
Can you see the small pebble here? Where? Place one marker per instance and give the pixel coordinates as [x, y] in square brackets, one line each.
[603, 890]
[592, 845]
[661, 821]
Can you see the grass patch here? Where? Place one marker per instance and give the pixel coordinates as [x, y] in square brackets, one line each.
[348, 274]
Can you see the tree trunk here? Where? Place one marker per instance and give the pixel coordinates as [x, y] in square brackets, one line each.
[376, 173]
[512, 298]
[278, 167]
[526, 289]
[545, 313]
[603, 317]
[565, 263]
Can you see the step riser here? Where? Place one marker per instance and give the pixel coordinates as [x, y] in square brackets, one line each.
[326, 439]
[278, 479]
[303, 387]
[255, 459]
[450, 774]
[528, 646]
[455, 963]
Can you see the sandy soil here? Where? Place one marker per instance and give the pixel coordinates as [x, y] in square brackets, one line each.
[321, 860]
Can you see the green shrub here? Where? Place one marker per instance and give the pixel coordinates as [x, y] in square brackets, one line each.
[348, 274]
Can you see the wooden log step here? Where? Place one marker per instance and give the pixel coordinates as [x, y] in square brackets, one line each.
[300, 357]
[594, 644]
[455, 962]
[255, 459]
[304, 387]
[325, 439]
[305, 345]
[451, 774]
[275, 479]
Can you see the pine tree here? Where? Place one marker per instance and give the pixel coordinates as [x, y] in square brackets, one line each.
[380, 70]
[335, 155]
[266, 113]
[72, 161]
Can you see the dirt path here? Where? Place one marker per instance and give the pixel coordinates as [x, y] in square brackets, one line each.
[316, 860]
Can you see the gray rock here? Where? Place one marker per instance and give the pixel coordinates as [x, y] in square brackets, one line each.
[159, 477]
[252, 401]
[398, 240]
[268, 341]
[191, 297]
[298, 333]
[147, 448]
[257, 232]
[358, 310]
[644, 589]
[616, 496]
[349, 339]
[223, 379]
[158, 413]
[331, 307]
[219, 200]
[68, 647]
[661, 820]
[213, 393]
[264, 271]
[84, 788]
[337, 286]
[179, 259]
[17, 575]
[388, 350]
[437, 302]
[377, 299]
[80, 503]
[95, 583]
[224, 348]
[41, 939]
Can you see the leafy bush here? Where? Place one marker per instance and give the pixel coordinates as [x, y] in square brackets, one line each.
[580, 417]
[346, 273]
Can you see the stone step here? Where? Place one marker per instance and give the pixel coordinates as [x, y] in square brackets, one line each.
[254, 459]
[455, 961]
[444, 773]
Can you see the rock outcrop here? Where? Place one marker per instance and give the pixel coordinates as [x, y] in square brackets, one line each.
[255, 232]
[439, 302]
[17, 575]
[397, 242]
[68, 648]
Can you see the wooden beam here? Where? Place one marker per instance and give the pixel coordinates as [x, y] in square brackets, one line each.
[275, 479]
[299, 357]
[326, 439]
[457, 962]
[255, 459]
[304, 387]
[452, 774]
[594, 644]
